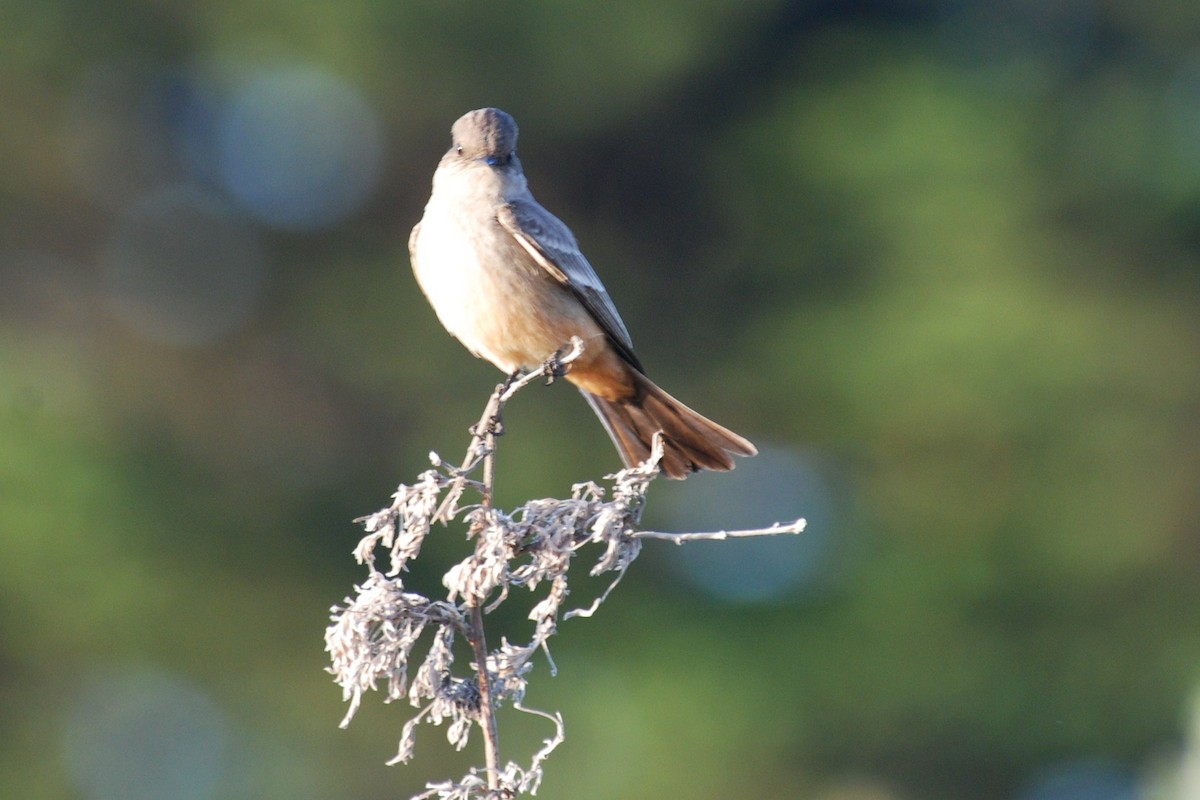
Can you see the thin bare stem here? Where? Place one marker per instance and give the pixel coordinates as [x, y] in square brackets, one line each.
[796, 526]
[487, 707]
[489, 465]
[483, 433]
[483, 445]
[475, 451]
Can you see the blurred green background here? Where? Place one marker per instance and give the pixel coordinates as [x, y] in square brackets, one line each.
[938, 258]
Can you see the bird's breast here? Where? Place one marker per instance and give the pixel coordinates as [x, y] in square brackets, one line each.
[488, 292]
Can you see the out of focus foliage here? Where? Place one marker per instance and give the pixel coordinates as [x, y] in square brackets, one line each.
[938, 258]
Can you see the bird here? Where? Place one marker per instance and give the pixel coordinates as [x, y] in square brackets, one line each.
[508, 280]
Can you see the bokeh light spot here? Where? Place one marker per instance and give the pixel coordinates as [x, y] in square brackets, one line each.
[1086, 779]
[777, 485]
[298, 148]
[140, 734]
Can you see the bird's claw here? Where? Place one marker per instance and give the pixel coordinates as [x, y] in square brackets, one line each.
[553, 368]
[509, 381]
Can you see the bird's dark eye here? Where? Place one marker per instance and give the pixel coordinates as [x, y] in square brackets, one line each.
[458, 148]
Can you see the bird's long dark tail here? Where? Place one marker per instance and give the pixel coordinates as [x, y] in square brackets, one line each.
[692, 442]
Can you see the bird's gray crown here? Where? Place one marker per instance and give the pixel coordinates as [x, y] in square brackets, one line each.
[485, 132]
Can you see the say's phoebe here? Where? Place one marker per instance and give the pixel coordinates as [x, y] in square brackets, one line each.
[506, 279]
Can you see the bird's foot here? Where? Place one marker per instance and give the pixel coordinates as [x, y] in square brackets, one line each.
[496, 426]
[510, 380]
[553, 368]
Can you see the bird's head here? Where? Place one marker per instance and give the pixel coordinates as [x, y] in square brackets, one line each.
[486, 134]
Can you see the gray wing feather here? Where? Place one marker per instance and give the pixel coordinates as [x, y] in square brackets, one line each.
[552, 245]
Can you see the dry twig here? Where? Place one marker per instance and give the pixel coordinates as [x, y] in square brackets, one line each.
[371, 637]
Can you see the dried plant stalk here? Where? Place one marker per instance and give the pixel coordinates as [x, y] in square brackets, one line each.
[372, 635]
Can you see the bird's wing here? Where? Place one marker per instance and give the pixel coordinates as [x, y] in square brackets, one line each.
[551, 244]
